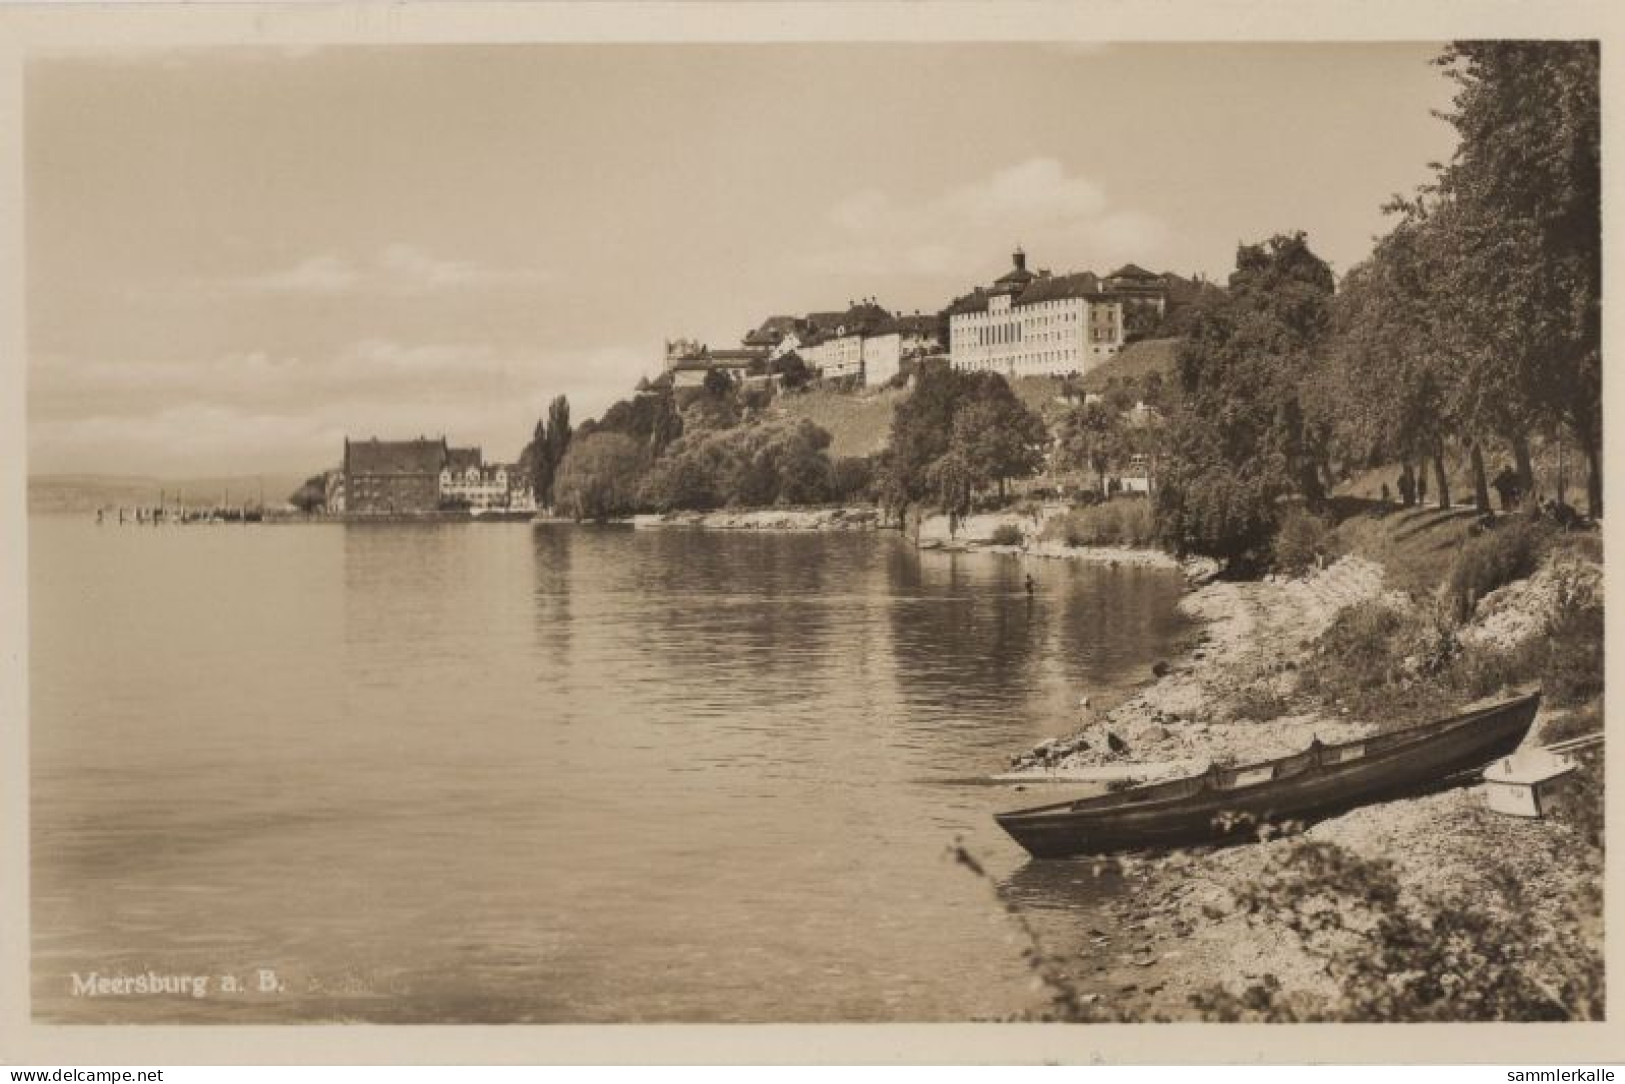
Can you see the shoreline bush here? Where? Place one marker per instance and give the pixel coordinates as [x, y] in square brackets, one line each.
[1300, 542]
[1494, 559]
[1125, 521]
[1007, 534]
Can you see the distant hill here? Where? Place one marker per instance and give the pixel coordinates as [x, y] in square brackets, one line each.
[83, 493]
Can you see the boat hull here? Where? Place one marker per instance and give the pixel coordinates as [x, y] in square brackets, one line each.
[1325, 780]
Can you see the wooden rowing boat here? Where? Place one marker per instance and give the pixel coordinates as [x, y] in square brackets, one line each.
[1321, 781]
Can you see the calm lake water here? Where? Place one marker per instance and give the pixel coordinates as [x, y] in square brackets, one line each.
[504, 772]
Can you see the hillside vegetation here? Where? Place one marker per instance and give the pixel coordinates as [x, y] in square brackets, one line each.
[858, 424]
[1134, 364]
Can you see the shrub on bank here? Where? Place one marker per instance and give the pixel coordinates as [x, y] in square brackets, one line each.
[1126, 521]
[1300, 542]
[852, 479]
[1574, 661]
[1259, 702]
[1495, 559]
[754, 466]
[1582, 803]
[1360, 652]
[1404, 666]
[1007, 534]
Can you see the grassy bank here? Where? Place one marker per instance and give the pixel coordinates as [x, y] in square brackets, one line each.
[858, 424]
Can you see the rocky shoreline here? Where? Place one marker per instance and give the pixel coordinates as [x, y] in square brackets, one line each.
[772, 519]
[1175, 934]
[931, 533]
[1252, 633]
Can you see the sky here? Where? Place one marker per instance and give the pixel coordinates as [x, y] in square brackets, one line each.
[235, 257]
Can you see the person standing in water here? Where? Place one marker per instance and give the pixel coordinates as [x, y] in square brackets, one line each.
[1032, 588]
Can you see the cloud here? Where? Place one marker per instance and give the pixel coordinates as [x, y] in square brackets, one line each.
[255, 410]
[394, 270]
[317, 275]
[1063, 219]
[1037, 190]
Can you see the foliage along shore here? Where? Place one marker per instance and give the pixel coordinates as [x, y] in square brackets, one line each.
[857, 518]
[975, 534]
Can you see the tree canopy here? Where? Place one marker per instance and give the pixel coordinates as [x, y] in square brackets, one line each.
[546, 449]
[1091, 436]
[959, 432]
[1522, 199]
[1240, 439]
[748, 466]
[598, 478]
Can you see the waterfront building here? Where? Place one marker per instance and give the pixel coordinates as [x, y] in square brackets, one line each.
[521, 492]
[1035, 323]
[333, 491]
[467, 482]
[394, 477]
[383, 477]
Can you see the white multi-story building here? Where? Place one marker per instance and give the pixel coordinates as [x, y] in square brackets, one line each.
[1030, 324]
[904, 338]
[832, 343]
[882, 357]
[476, 485]
[834, 355]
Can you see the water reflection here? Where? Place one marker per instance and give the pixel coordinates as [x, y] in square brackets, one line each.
[551, 547]
[503, 772]
[1056, 885]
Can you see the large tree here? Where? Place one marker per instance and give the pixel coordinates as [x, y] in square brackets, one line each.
[598, 478]
[1091, 436]
[974, 414]
[997, 434]
[311, 496]
[1522, 197]
[544, 453]
[1240, 441]
[747, 466]
[1392, 388]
